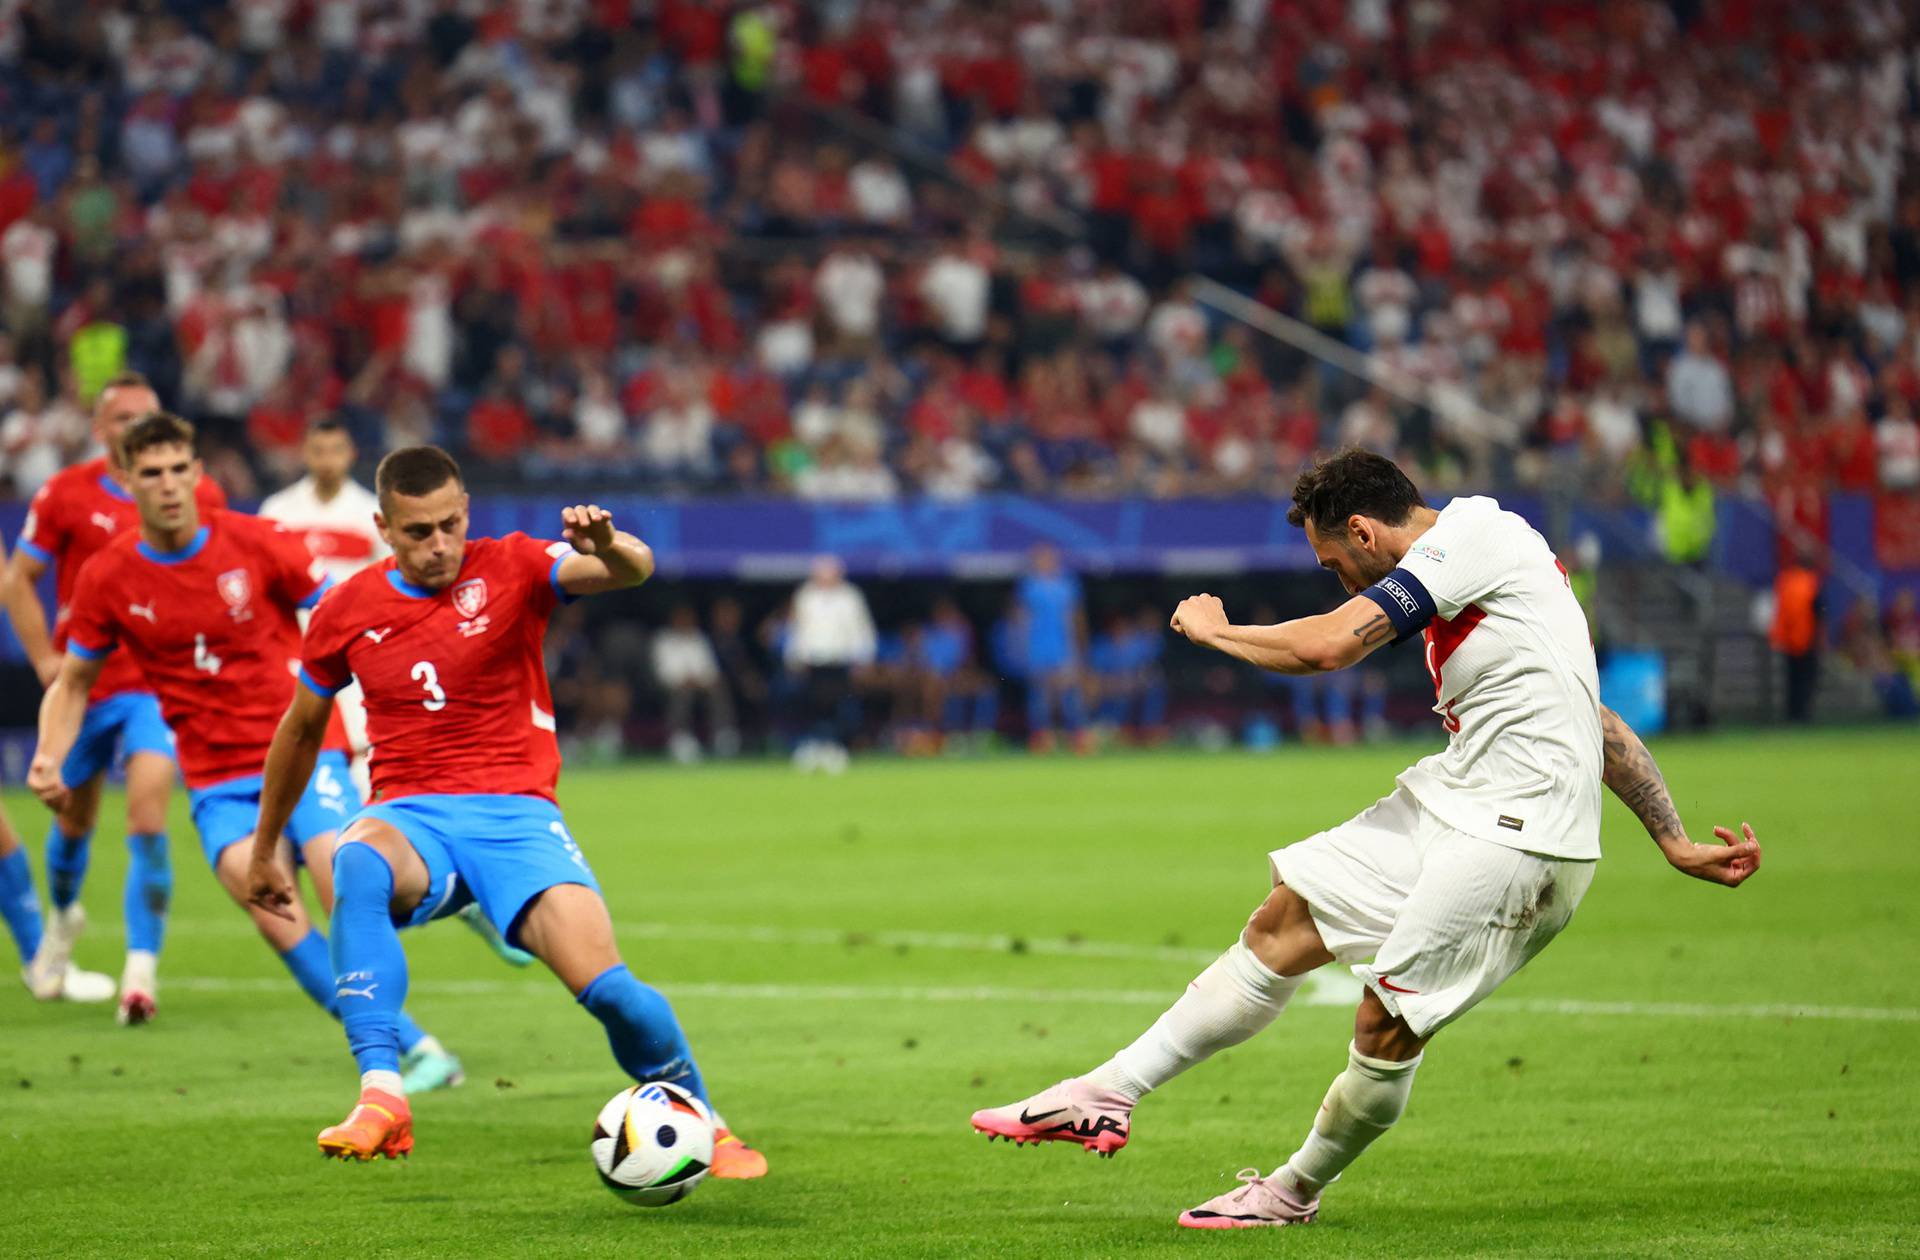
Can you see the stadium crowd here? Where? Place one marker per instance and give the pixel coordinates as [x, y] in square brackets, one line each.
[660, 243]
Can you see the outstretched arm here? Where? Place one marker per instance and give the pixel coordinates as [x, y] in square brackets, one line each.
[1305, 645]
[29, 615]
[604, 559]
[1630, 774]
[62, 709]
[290, 761]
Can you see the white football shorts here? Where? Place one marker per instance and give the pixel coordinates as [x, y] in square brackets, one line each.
[1432, 920]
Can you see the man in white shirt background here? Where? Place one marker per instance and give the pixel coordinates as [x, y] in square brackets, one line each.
[334, 513]
[831, 635]
[687, 670]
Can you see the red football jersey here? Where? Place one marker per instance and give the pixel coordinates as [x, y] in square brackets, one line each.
[78, 512]
[454, 680]
[211, 627]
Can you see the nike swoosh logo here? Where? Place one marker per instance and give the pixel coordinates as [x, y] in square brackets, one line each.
[1026, 1118]
[1394, 988]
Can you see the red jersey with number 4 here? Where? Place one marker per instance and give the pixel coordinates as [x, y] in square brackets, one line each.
[78, 512]
[454, 680]
[212, 629]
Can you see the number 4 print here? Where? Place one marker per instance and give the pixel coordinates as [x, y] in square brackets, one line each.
[204, 660]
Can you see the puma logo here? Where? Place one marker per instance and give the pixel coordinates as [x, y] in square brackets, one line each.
[378, 635]
[143, 610]
[367, 993]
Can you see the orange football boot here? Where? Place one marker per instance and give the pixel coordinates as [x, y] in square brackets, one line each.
[734, 1160]
[380, 1126]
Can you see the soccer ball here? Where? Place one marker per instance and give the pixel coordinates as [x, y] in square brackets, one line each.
[653, 1143]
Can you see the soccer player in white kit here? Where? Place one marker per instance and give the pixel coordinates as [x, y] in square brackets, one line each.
[1446, 886]
[334, 514]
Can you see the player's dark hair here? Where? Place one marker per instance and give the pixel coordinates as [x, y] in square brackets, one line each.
[1353, 482]
[127, 380]
[414, 471]
[330, 424]
[157, 428]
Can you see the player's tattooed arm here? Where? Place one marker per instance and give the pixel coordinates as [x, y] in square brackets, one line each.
[1631, 775]
[1629, 772]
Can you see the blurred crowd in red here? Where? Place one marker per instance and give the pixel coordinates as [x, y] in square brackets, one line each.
[852, 250]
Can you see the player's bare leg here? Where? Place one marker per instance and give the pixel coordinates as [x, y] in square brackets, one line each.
[377, 875]
[1242, 992]
[149, 886]
[280, 931]
[567, 927]
[50, 974]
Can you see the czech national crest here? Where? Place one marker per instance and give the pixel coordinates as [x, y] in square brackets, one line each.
[470, 597]
[236, 587]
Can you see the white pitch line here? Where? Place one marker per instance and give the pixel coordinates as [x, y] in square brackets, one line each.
[1077, 997]
[1331, 986]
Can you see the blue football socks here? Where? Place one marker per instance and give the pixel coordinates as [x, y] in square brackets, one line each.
[641, 1027]
[149, 889]
[370, 968]
[66, 865]
[19, 904]
[312, 966]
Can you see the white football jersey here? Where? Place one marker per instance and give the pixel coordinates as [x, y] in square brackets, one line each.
[339, 532]
[1511, 658]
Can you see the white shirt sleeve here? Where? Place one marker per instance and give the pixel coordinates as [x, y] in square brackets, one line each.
[1460, 560]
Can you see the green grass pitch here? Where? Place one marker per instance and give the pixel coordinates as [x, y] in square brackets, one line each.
[862, 962]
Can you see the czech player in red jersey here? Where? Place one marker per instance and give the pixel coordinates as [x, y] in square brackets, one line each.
[74, 515]
[445, 638]
[205, 610]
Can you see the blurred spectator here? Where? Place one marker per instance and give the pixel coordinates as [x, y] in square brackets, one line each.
[831, 636]
[1699, 388]
[39, 435]
[688, 670]
[1129, 685]
[1522, 221]
[740, 665]
[1797, 633]
[1052, 642]
[1687, 516]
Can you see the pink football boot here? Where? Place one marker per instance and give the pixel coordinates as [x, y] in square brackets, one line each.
[1259, 1201]
[1075, 1110]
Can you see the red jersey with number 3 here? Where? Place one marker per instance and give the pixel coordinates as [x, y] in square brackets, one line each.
[210, 627]
[77, 513]
[454, 680]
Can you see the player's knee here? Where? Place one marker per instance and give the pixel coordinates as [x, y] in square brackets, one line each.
[1380, 1034]
[360, 870]
[1282, 935]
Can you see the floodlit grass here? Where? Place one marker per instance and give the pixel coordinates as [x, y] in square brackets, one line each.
[861, 962]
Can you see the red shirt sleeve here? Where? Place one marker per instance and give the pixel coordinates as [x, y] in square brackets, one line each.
[208, 494]
[294, 576]
[323, 654]
[44, 536]
[539, 560]
[93, 629]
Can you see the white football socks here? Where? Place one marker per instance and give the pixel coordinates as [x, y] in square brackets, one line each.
[1234, 998]
[1363, 1103]
[384, 1081]
[141, 972]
